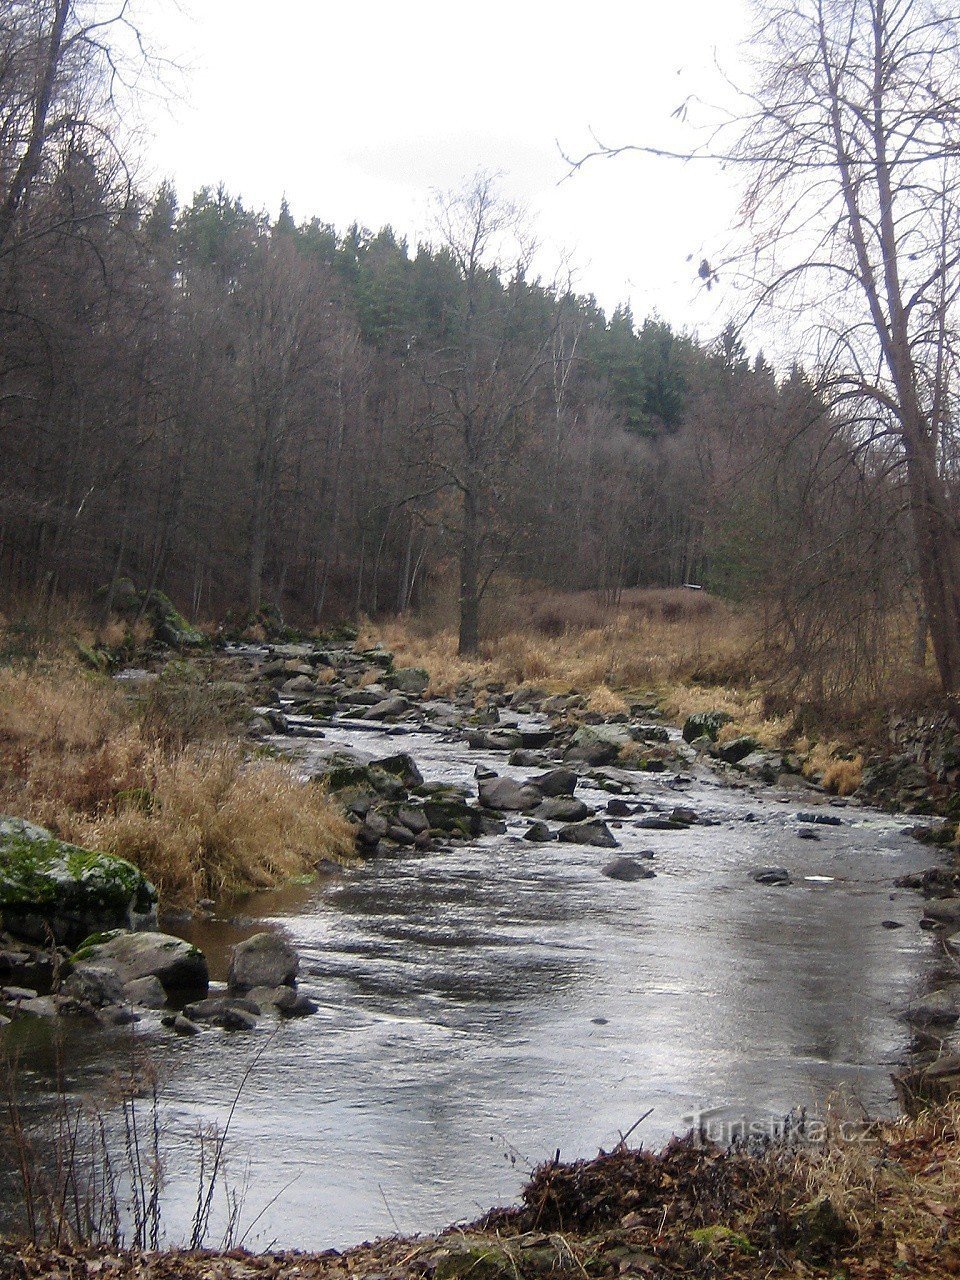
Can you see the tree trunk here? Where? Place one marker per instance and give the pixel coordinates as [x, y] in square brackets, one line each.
[469, 579]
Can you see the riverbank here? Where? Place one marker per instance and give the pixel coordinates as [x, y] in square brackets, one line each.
[858, 1201]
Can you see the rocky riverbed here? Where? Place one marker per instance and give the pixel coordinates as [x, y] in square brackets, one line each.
[556, 921]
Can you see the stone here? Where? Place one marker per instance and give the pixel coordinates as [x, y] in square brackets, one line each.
[820, 819]
[619, 808]
[508, 795]
[525, 759]
[389, 709]
[47, 884]
[599, 743]
[705, 724]
[299, 684]
[936, 1008]
[267, 999]
[265, 960]
[401, 766]
[177, 965]
[147, 993]
[452, 814]
[563, 809]
[592, 832]
[494, 740]
[771, 875]
[412, 681]
[686, 816]
[558, 782]
[538, 833]
[737, 749]
[230, 1014]
[945, 913]
[95, 985]
[414, 820]
[657, 822]
[627, 869]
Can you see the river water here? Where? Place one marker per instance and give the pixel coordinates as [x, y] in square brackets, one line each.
[481, 1008]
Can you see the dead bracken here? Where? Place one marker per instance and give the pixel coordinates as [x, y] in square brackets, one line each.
[867, 1204]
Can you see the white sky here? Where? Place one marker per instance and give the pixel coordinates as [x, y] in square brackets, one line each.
[359, 111]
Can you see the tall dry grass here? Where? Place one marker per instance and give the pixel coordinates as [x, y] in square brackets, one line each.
[577, 641]
[196, 817]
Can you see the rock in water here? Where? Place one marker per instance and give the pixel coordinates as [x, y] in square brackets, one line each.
[507, 795]
[771, 875]
[265, 960]
[593, 832]
[46, 883]
[627, 869]
[177, 965]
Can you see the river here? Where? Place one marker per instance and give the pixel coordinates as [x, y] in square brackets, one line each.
[483, 1007]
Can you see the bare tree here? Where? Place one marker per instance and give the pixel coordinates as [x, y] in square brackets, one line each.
[854, 203]
[484, 382]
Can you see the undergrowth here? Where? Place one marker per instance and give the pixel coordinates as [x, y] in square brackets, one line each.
[160, 783]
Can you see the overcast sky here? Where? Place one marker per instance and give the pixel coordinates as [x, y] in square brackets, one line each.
[360, 112]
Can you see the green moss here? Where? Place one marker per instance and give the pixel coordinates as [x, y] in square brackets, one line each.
[41, 872]
[717, 1237]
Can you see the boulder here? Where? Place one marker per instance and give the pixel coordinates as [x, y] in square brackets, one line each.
[96, 985]
[619, 808]
[538, 833]
[820, 819]
[558, 782]
[593, 832]
[412, 681]
[300, 684]
[945, 913]
[414, 820]
[453, 815]
[389, 709]
[177, 965]
[265, 960]
[737, 749]
[599, 743]
[771, 875]
[230, 1013]
[147, 993]
[627, 869]
[494, 740]
[936, 1008]
[705, 724]
[286, 1001]
[47, 884]
[401, 766]
[563, 809]
[507, 795]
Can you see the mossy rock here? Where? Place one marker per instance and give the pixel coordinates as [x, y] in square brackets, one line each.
[705, 724]
[48, 886]
[453, 816]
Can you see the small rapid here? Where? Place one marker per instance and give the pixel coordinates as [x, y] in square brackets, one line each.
[484, 1005]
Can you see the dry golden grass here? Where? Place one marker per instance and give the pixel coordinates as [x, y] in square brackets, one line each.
[683, 645]
[195, 818]
[605, 702]
[576, 642]
[828, 764]
[746, 706]
[214, 824]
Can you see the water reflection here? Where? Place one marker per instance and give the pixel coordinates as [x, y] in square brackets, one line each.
[506, 998]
